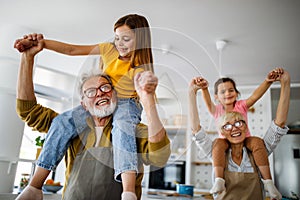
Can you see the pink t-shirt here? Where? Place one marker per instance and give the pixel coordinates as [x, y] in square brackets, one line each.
[240, 106]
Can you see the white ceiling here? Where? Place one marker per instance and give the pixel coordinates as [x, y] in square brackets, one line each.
[261, 34]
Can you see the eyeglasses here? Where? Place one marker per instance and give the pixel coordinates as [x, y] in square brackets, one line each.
[237, 124]
[92, 92]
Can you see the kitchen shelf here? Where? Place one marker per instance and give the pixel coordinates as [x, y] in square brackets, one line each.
[201, 163]
[172, 129]
[211, 132]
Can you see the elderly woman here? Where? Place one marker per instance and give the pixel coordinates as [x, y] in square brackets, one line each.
[241, 177]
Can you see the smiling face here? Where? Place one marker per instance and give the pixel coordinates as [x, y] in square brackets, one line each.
[103, 104]
[124, 41]
[226, 94]
[233, 127]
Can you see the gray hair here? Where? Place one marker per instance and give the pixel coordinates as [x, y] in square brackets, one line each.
[88, 75]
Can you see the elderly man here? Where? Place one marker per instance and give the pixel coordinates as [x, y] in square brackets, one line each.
[89, 170]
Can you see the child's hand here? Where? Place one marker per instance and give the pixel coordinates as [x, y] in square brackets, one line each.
[145, 82]
[275, 74]
[198, 83]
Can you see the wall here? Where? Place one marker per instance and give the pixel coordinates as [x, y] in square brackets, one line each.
[294, 113]
[11, 127]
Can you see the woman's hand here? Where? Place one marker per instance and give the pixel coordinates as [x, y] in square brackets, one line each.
[275, 74]
[198, 83]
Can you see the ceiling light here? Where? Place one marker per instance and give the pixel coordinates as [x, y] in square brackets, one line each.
[220, 44]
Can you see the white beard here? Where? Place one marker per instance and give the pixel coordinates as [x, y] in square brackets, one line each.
[103, 112]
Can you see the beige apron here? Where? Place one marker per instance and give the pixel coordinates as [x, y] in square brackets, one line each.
[241, 185]
[92, 176]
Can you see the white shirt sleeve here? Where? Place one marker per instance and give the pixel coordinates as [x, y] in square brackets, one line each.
[273, 136]
[203, 142]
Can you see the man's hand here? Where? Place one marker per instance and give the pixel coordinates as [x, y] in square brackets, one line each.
[145, 83]
[29, 41]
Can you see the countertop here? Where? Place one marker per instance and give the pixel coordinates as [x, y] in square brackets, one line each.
[145, 196]
[7, 196]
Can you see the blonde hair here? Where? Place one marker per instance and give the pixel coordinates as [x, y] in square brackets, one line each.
[228, 116]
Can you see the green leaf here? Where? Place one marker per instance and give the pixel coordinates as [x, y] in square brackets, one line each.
[39, 142]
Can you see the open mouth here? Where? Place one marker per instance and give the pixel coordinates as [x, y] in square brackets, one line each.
[102, 101]
[236, 134]
[123, 49]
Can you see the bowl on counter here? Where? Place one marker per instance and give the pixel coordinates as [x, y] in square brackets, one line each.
[52, 188]
[185, 189]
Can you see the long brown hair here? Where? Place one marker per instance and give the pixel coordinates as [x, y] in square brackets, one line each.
[143, 52]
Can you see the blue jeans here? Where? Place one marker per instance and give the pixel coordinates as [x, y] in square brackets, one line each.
[125, 119]
[70, 124]
[63, 129]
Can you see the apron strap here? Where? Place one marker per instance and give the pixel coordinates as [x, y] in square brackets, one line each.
[83, 138]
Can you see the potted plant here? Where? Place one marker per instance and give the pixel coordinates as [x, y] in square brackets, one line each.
[39, 142]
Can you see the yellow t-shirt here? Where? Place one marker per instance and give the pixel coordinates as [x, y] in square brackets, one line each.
[120, 71]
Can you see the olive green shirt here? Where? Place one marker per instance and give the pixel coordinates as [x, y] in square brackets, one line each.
[39, 118]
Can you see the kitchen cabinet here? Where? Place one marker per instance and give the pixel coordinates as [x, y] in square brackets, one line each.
[177, 135]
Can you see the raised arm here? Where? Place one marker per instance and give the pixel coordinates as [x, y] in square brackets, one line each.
[156, 149]
[272, 76]
[145, 85]
[60, 47]
[284, 100]
[25, 89]
[35, 115]
[193, 110]
[201, 139]
[201, 83]
[278, 128]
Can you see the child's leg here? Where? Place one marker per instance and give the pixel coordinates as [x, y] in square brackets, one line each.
[260, 155]
[125, 119]
[219, 149]
[128, 183]
[34, 189]
[63, 129]
[257, 146]
[39, 177]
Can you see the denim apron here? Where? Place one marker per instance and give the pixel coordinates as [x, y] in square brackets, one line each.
[240, 185]
[92, 176]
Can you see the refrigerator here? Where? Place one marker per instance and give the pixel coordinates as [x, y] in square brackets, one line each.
[287, 165]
